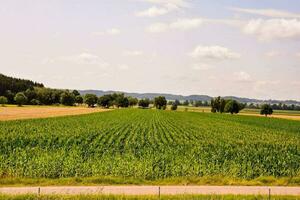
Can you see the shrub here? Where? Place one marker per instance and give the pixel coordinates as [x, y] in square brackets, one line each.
[3, 100]
[20, 99]
[266, 110]
[174, 106]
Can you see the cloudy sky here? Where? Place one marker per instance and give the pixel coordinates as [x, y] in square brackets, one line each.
[248, 48]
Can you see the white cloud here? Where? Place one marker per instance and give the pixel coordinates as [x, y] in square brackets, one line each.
[186, 24]
[157, 28]
[201, 67]
[271, 29]
[298, 54]
[133, 53]
[267, 12]
[164, 8]
[152, 12]
[112, 31]
[242, 76]
[85, 59]
[156, 11]
[214, 52]
[183, 24]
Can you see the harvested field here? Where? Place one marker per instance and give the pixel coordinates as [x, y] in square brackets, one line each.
[31, 112]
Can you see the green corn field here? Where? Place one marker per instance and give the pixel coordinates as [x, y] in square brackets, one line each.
[150, 144]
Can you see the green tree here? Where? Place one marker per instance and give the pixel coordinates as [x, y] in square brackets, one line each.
[198, 103]
[90, 100]
[10, 96]
[186, 103]
[177, 102]
[132, 101]
[105, 101]
[120, 100]
[222, 105]
[160, 102]
[78, 99]
[174, 106]
[30, 94]
[232, 106]
[266, 110]
[3, 100]
[215, 104]
[35, 102]
[144, 103]
[67, 98]
[76, 93]
[20, 98]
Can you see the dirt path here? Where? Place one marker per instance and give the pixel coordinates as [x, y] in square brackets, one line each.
[30, 112]
[154, 190]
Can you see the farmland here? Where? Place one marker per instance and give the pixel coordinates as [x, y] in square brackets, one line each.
[150, 145]
[29, 112]
[282, 114]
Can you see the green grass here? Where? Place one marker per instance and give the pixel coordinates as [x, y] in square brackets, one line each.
[163, 197]
[150, 146]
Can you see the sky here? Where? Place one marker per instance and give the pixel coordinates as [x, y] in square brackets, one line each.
[246, 48]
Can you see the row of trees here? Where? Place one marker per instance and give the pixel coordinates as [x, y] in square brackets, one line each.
[279, 106]
[188, 103]
[47, 96]
[11, 86]
[43, 96]
[221, 105]
[120, 100]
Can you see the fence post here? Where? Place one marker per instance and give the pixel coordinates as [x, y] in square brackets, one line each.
[159, 192]
[38, 193]
[269, 193]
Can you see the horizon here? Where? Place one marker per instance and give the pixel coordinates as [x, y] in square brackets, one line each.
[245, 49]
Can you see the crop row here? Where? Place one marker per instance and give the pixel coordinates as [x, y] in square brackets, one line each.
[150, 144]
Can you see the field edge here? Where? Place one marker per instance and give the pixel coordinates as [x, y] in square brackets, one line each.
[178, 181]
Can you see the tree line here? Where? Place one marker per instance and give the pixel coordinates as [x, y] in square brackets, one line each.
[10, 86]
[47, 96]
[221, 105]
[196, 103]
[279, 106]
[22, 91]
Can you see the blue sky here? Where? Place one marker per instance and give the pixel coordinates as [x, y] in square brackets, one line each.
[248, 48]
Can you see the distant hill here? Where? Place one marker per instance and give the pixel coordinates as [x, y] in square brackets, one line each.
[190, 97]
[20, 85]
[16, 84]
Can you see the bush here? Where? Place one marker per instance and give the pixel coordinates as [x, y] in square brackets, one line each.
[266, 110]
[174, 106]
[35, 102]
[3, 100]
[20, 99]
